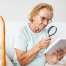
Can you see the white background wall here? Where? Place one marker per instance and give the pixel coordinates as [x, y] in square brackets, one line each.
[20, 9]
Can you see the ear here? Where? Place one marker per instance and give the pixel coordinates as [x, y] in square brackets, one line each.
[33, 18]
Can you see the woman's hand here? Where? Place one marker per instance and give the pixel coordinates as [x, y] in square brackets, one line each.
[60, 54]
[44, 43]
[52, 58]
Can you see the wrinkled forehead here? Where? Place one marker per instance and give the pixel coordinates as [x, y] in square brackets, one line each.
[46, 13]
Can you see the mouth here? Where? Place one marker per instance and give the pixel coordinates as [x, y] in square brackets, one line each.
[43, 26]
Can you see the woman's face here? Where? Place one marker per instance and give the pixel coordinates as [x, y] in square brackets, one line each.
[42, 18]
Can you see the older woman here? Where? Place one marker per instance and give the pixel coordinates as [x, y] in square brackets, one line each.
[31, 39]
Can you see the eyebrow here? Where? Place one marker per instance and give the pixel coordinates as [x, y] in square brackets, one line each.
[45, 17]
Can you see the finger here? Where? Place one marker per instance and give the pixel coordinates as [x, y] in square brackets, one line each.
[59, 55]
[48, 41]
[64, 50]
[46, 45]
[48, 38]
[57, 52]
[60, 51]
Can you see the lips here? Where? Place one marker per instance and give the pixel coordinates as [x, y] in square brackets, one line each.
[43, 25]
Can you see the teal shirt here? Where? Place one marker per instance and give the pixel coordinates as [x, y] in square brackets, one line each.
[25, 39]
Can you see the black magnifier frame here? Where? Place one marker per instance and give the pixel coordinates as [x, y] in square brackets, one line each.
[50, 29]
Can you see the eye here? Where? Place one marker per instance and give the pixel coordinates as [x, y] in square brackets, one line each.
[43, 18]
[48, 20]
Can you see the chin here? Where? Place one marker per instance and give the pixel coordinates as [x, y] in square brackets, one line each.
[42, 27]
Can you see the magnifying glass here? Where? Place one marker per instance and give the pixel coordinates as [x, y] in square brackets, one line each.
[52, 30]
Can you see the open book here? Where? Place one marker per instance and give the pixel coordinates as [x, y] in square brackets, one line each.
[60, 43]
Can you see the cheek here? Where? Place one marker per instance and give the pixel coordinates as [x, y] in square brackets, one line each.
[40, 22]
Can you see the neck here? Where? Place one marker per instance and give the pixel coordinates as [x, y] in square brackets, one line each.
[34, 28]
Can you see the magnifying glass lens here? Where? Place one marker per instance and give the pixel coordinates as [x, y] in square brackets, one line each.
[52, 30]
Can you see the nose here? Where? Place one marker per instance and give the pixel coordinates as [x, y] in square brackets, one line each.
[45, 22]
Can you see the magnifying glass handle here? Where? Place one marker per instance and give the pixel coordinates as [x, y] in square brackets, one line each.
[49, 35]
